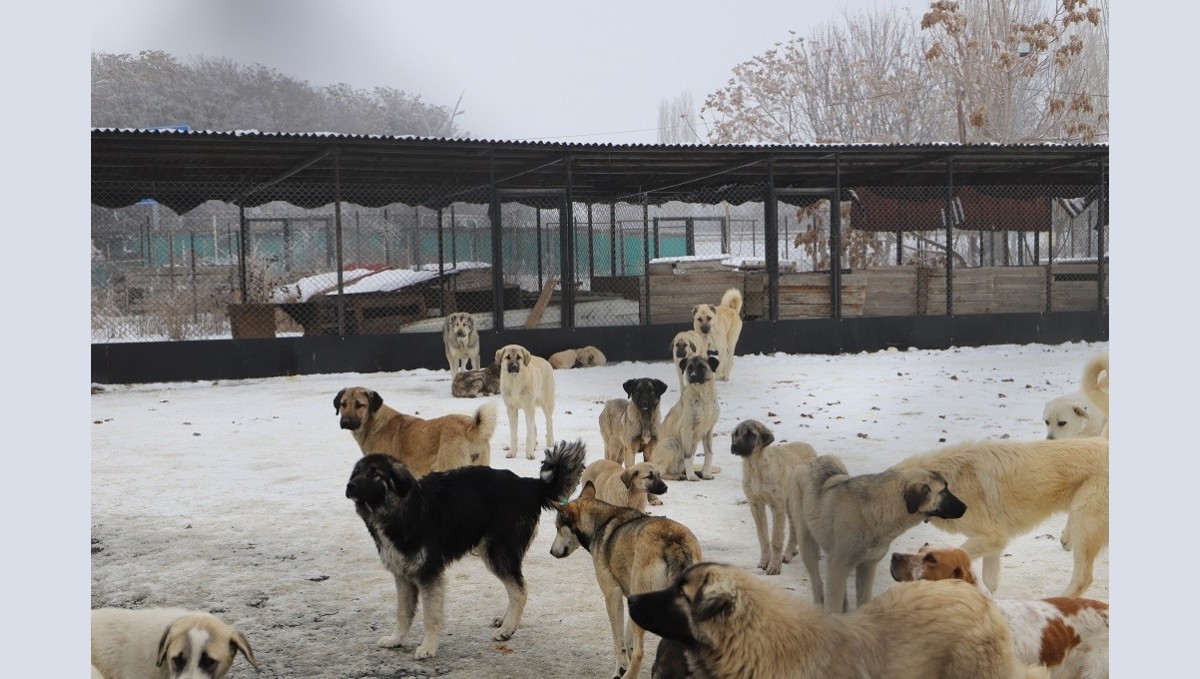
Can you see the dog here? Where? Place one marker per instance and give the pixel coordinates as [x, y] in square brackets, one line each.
[625, 487]
[162, 643]
[734, 624]
[436, 444]
[686, 344]
[526, 383]
[853, 519]
[472, 383]
[1013, 486]
[1066, 634]
[586, 357]
[631, 426]
[767, 471]
[632, 552]
[462, 342]
[421, 525]
[691, 421]
[1082, 413]
[721, 326]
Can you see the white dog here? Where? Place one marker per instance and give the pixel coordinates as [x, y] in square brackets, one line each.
[163, 643]
[526, 383]
[1082, 413]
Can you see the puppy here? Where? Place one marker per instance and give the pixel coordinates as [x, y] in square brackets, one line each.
[632, 553]
[472, 383]
[734, 624]
[462, 342]
[1082, 413]
[1069, 635]
[692, 419]
[435, 444]
[421, 526]
[631, 426]
[854, 519]
[164, 643]
[721, 326]
[687, 343]
[767, 472]
[526, 383]
[623, 487]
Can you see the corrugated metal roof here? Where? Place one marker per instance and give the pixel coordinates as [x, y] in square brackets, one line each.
[182, 169]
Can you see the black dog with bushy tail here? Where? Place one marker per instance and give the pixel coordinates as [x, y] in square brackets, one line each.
[420, 526]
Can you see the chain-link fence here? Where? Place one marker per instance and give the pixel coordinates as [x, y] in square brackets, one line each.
[346, 269]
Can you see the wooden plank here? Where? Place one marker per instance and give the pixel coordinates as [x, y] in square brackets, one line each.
[535, 314]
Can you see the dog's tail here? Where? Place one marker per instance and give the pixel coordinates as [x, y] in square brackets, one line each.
[485, 424]
[1092, 383]
[732, 299]
[561, 471]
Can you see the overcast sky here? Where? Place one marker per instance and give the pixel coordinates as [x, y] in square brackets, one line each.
[552, 70]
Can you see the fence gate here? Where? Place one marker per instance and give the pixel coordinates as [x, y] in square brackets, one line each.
[535, 257]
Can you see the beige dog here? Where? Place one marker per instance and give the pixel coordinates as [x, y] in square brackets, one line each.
[854, 519]
[586, 357]
[632, 553]
[526, 383]
[436, 444]
[1068, 635]
[733, 625]
[631, 426]
[164, 643]
[1011, 487]
[691, 421]
[1085, 412]
[686, 344]
[623, 487]
[462, 342]
[767, 471]
[721, 326]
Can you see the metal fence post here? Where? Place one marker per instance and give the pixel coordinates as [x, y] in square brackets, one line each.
[1101, 222]
[646, 251]
[949, 236]
[567, 243]
[337, 228]
[835, 240]
[497, 248]
[242, 238]
[771, 251]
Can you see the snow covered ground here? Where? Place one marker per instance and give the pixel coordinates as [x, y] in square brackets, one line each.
[229, 496]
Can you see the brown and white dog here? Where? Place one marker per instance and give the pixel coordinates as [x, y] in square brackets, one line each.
[721, 326]
[164, 643]
[623, 487]
[462, 342]
[686, 344]
[584, 357]
[1069, 635]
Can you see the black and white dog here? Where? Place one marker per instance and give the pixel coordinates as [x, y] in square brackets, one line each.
[420, 526]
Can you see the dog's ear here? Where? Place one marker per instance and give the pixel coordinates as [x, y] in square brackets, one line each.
[713, 363]
[914, 495]
[627, 478]
[499, 352]
[695, 309]
[337, 401]
[162, 647]
[470, 322]
[660, 387]
[589, 491]
[237, 642]
[766, 437]
[628, 386]
[375, 401]
[1081, 411]
[526, 357]
[712, 600]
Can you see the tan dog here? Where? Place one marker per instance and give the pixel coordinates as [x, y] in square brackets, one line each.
[735, 625]
[631, 426]
[436, 444]
[1085, 412]
[691, 421]
[164, 643]
[586, 357]
[632, 553]
[854, 519]
[462, 342]
[721, 326]
[767, 471]
[686, 344]
[526, 383]
[1011, 487]
[623, 487]
[1068, 635]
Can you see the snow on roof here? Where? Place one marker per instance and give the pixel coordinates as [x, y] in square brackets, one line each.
[364, 280]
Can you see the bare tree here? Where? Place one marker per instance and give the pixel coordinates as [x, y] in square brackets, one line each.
[677, 121]
[1019, 76]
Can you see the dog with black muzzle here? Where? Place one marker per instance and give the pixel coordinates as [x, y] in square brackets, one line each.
[526, 383]
[635, 487]
[630, 426]
[461, 340]
[854, 519]
[690, 422]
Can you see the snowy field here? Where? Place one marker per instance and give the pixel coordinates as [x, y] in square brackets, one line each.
[229, 497]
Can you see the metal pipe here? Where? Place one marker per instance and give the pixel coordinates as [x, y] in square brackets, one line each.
[771, 242]
[337, 229]
[950, 235]
[835, 241]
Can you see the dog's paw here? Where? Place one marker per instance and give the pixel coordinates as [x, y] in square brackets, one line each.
[389, 641]
[787, 558]
[773, 568]
[706, 476]
[503, 635]
[693, 478]
[425, 651]
[653, 499]
[762, 563]
[510, 454]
